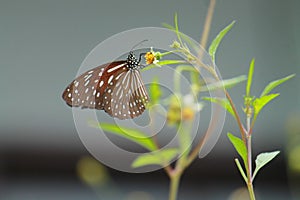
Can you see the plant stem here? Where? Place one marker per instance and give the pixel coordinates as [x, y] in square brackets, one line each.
[249, 150]
[183, 162]
[184, 132]
[174, 184]
[251, 191]
[249, 169]
[207, 23]
[237, 117]
[203, 43]
[241, 170]
[249, 153]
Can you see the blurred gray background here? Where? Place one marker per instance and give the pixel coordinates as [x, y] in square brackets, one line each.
[42, 44]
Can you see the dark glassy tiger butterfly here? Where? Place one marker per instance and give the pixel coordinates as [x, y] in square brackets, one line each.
[117, 88]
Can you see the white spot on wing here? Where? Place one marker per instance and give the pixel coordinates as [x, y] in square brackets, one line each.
[101, 83]
[110, 78]
[117, 77]
[86, 83]
[86, 77]
[115, 68]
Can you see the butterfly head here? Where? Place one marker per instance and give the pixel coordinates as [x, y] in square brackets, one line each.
[132, 61]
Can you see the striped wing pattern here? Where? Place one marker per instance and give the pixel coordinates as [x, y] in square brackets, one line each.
[126, 96]
[111, 87]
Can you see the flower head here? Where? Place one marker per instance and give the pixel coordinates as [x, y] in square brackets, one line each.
[152, 57]
[183, 109]
[175, 45]
[190, 107]
[149, 58]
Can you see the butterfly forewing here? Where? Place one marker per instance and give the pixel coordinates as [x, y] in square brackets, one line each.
[116, 88]
[86, 91]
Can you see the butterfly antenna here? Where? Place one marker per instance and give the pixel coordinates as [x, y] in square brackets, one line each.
[138, 44]
[140, 58]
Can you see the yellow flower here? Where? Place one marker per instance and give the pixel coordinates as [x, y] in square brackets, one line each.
[183, 109]
[174, 111]
[150, 58]
[188, 113]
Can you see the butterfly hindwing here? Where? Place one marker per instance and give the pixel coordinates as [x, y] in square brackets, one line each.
[124, 97]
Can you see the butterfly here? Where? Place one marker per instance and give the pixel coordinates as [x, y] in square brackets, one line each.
[116, 87]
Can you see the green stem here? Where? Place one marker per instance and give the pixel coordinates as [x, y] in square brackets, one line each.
[251, 191]
[207, 24]
[249, 158]
[169, 52]
[177, 29]
[237, 117]
[183, 161]
[241, 170]
[175, 179]
[184, 132]
[249, 169]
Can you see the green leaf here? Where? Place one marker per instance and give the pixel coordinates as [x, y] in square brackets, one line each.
[239, 146]
[250, 75]
[228, 83]
[161, 157]
[222, 102]
[260, 102]
[177, 29]
[262, 159]
[128, 133]
[215, 43]
[155, 91]
[274, 84]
